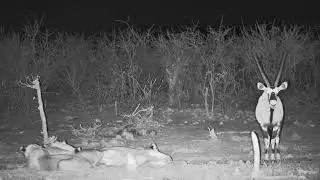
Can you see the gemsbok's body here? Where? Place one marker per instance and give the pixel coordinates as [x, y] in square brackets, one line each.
[269, 112]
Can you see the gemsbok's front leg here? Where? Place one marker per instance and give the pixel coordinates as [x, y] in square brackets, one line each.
[266, 139]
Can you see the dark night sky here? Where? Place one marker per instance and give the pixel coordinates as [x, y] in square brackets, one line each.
[100, 17]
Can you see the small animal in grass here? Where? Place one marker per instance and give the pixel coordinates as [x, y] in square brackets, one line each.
[269, 112]
[38, 158]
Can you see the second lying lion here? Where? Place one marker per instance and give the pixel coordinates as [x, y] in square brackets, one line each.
[126, 156]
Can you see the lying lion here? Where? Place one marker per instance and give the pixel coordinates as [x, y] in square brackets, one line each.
[51, 158]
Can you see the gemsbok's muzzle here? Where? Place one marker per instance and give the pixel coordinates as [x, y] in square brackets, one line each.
[273, 100]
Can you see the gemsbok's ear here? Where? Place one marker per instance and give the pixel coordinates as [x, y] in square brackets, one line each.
[283, 86]
[261, 86]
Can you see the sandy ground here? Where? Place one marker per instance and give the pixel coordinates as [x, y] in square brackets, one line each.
[184, 136]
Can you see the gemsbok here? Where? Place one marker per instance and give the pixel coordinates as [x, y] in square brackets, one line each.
[269, 111]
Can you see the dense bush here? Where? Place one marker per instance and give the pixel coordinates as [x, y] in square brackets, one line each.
[143, 66]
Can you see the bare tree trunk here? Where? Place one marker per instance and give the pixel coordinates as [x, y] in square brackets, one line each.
[42, 113]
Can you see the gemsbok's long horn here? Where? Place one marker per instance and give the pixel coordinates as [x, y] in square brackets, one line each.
[281, 69]
[261, 72]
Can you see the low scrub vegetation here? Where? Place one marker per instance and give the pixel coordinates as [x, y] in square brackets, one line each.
[146, 66]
